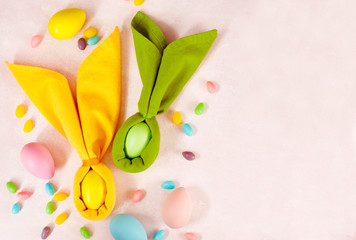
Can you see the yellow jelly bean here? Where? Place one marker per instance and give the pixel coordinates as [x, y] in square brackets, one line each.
[28, 126]
[61, 218]
[90, 32]
[138, 2]
[20, 111]
[177, 118]
[61, 196]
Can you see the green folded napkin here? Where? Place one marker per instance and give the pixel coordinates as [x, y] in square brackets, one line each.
[164, 70]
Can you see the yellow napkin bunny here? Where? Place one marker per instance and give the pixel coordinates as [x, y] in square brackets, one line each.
[88, 121]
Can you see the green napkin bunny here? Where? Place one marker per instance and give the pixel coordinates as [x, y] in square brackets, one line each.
[164, 70]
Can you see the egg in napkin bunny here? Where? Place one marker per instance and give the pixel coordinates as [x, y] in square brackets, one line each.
[89, 122]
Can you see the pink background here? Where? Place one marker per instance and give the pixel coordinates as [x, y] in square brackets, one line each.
[276, 145]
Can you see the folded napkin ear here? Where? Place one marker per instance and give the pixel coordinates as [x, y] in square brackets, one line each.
[164, 70]
[88, 123]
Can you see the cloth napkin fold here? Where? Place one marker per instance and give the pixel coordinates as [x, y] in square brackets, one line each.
[90, 121]
[164, 70]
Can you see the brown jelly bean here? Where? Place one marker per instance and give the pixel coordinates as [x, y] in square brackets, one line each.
[82, 43]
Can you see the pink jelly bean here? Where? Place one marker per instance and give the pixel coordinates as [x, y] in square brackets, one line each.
[137, 196]
[211, 87]
[35, 41]
[24, 195]
[191, 236]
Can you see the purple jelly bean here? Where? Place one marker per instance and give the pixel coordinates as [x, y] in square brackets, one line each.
[188, 155]
[82, 43]
[45, 232]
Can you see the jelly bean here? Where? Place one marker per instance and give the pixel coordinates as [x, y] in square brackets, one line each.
[199, 109]
[191, 236]
[16, 208]
[82, 44]
[85, 232]
[138, 2]
[11, 187]
[50, 208]
[188, 155]
[159, 235]
[28, 126]
[35, 41]
[61, 218]
[188, 129]
[177, 118]
[61, 196]
[90, 32]
[137, 196]
[45, 232]
[168, 185]
[93, 40]
[24, 195]
[211, 87]
[49, 189]
[20, 111]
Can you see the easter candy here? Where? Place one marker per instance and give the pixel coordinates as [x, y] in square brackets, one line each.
[124, 226]
[61, 218]
[177, 208]
[188, 130]
[85, 232]
[93, 190]
[168, 185]
[49, 189]
[35, 41]
[50, 208]
[211, 87]
[16, 208]
[159, 235]
[199, 109]
[177, 118]
[11, 187]
[90, 32]
[24, 195]
[45, 232]
[93, 40]
[137, 139]
[28, 126]
[82, 43]
[61, 196]
[138, 2]
[66, 23]
[20, 111]
[137, 196]
[37, 160]
[188, 155]
[191, 236]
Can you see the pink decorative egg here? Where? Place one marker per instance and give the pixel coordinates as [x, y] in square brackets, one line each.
[38, 160]
[177, 208]
[191, 236]
[137, 196]
[35, 41]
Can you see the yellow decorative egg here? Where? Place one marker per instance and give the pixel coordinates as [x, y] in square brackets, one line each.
[93, 190]
[66, 23]
[28, 126]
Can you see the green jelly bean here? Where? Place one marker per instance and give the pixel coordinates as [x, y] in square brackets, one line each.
[50, 208]
[11, 187]
[85, 232]
[199, 109]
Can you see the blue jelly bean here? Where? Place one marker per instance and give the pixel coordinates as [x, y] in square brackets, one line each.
[168, 185]
[159, 235]
[188, 129]
[49, 189]
[16, 208]
[93, 40]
